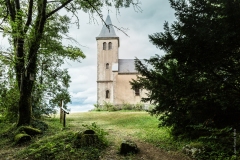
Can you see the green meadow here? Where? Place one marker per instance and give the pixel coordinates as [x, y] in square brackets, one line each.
[56, 142]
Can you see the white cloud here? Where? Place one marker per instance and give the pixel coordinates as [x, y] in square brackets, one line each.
[84, 75]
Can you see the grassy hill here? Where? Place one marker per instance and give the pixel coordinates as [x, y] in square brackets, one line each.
[56, 142]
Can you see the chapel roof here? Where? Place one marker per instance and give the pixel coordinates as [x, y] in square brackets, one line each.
[126, 66]
[107, 32]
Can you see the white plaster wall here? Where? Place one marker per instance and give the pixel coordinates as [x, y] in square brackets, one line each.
[124, 93]
[106, 56]
[105, 76]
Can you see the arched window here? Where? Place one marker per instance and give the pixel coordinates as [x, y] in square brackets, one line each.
[104, 45]
[107, 65]
[137, 91]
[109, 45]
[107, 94]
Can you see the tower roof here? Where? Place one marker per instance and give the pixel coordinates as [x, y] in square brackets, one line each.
[107, 32]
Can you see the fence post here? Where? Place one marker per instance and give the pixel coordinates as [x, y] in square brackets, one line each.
[64, 116]
[61, 111]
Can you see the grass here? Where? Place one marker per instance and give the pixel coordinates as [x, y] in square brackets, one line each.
[139, 125]
[57, 143]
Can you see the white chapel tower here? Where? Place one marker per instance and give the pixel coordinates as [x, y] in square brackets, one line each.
[107, 55]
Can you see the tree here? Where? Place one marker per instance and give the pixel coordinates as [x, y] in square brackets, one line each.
[8, 93]
[51, 85]
[26, 23]
[197, 82]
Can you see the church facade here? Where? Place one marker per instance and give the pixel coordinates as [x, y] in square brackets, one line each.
[114, 74]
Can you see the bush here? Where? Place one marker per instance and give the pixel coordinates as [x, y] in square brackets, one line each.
[127, 106]
[212, 143]
[97, 107]
[107, 106]
[139, 106]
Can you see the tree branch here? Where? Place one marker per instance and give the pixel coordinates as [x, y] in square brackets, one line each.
[122, 30]
[57, 9]
[11, 10]
[4, 18]
[77, 22]
[101, 16]
[17, 4]
[29, 20]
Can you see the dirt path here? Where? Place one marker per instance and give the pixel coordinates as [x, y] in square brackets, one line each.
[147, 151]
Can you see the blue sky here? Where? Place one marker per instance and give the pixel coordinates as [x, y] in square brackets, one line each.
[139, 24]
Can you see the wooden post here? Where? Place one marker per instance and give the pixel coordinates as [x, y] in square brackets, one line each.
[61, 111]
[64, 112]
[64, 119]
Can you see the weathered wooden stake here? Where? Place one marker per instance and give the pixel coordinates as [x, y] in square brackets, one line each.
[64, 116]
[64, 119]
[61, 111]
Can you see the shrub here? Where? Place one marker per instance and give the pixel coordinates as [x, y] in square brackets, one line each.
[139, 106]
[107, 105]
[150, 107]
[127, 106]
[97, 107]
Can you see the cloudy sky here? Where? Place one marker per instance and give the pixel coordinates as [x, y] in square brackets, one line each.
[83, 87]
[154, 13]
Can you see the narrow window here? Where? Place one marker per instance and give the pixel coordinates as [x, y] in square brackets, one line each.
[137, 91]
[104, 45]
[107, 66]
[109, 45]
[107, 94]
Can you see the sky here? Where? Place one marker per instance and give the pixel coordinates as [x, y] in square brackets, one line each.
[83, 88]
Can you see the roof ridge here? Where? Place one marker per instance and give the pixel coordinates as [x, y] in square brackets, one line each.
[107, 31]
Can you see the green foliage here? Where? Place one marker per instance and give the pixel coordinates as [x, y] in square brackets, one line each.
[56, 143]
[213, 144]
[9, 104]
[150, 107]
[195, 85]
[139, 106]
[51, 148]
[41, 125]
[107, 106]
[126, 106]
[197, 81]
[97, 107]
[60, 145]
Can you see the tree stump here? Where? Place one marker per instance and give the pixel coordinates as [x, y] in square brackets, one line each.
[86, 139]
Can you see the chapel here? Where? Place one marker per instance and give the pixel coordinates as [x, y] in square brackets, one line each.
[114, 74]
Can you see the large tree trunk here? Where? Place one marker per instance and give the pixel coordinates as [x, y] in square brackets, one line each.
[25, 106]
[26, 85]
[25, 110]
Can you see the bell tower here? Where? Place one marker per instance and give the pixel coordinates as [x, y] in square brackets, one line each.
[107, 56]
